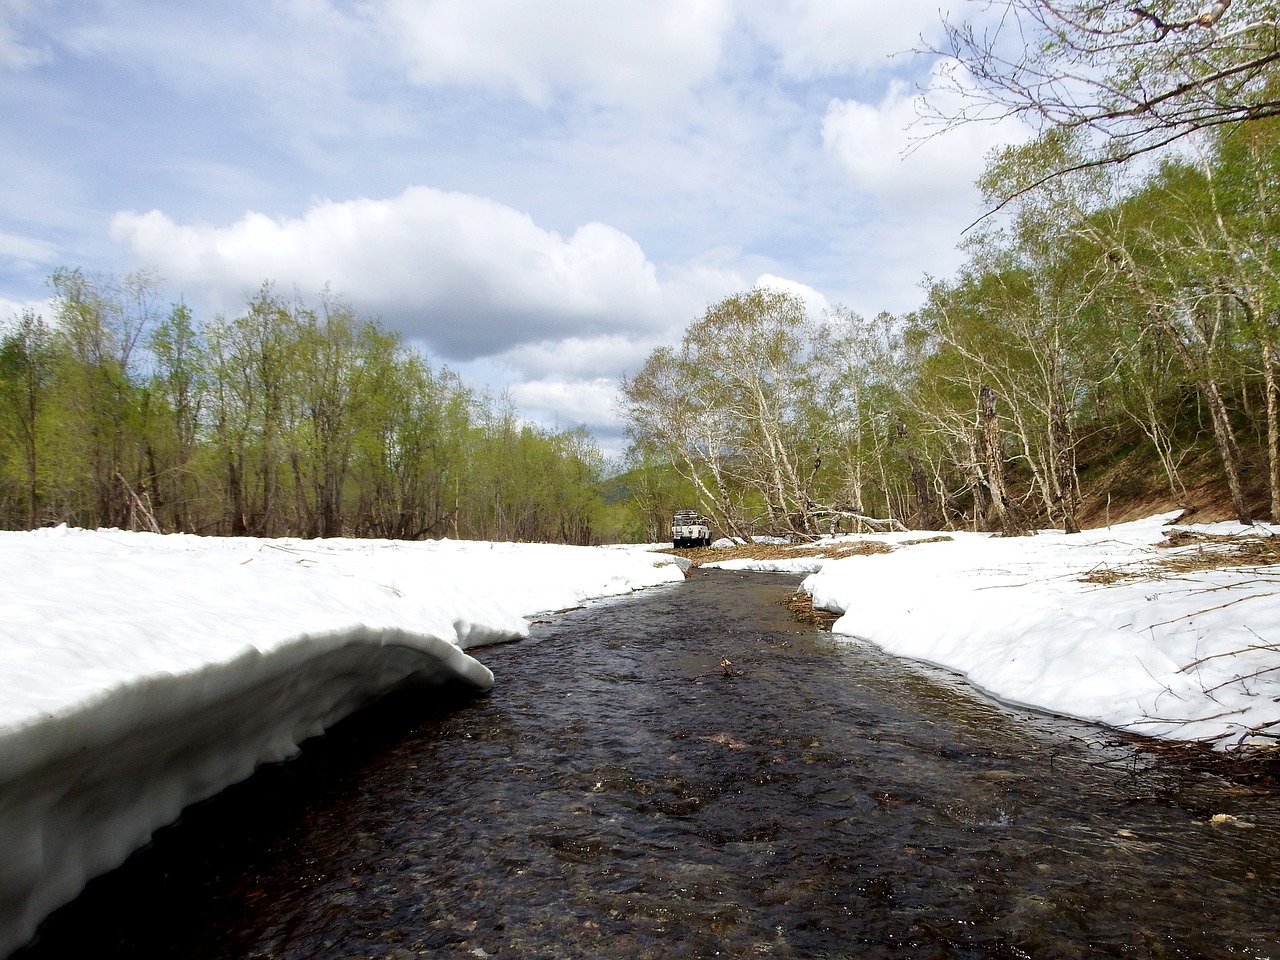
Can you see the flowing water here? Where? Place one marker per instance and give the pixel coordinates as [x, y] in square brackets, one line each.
[688, 773]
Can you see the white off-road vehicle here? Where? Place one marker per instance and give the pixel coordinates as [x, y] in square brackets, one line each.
[688, 529]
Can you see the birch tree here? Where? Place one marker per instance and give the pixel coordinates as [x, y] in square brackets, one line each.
[737, 406]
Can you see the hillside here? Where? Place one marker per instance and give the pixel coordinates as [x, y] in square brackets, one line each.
[1121, 479]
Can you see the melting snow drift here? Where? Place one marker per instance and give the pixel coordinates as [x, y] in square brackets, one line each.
[143, 673]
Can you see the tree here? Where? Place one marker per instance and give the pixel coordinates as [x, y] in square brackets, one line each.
[1136, 77]
[1246, 169]
[982, 377]
[410, 455]
[863, 373]
[738, 407]
[340, 357]
[652, 491]
[178, 386]
[286, 419]
[1167, 274]
[528, 483]
[26, 374]
[671, 406]
[253, 387]
[100, 323]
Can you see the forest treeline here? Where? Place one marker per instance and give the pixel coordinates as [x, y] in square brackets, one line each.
[1100, 304]
[290, 418]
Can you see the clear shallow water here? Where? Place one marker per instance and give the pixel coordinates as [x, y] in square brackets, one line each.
[625, 793]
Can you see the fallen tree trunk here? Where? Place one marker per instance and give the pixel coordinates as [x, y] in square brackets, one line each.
[876, 524]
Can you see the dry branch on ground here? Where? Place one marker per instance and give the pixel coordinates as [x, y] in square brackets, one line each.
[1213, 552]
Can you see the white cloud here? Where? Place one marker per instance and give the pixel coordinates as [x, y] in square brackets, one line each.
[625, 51]
[814, 302]
[890, 153]
[923, 185]
[466, 274]
[269, 47]
[282, 71]
[815, 37]
[580, 356]
[567, 403]
[645, 158]
[13, 309]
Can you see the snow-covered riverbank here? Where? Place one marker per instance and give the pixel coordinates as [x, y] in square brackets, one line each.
[142, 673]
[1165, 630]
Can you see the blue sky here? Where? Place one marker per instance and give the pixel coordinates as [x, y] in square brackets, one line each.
[538, 193]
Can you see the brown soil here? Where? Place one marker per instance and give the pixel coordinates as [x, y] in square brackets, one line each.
[1129, 485]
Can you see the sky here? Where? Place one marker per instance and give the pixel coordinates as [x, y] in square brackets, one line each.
[537, 194]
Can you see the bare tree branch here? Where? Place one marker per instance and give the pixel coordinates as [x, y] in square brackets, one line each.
[1134, 78]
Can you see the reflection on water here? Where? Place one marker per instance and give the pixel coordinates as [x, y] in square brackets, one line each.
[625, 793]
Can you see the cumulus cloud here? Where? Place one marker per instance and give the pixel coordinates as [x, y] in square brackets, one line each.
[650, 157]
[575, 381]
[920, 178]
[887, 151]
[814, 302]
[633, 51]
[467, 275]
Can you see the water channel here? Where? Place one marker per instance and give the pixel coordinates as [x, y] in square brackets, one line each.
[689, 773]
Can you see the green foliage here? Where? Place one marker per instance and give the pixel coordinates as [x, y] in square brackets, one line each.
[26, 377]
[1096, 306]
[286, 419]
[737, 412]
[652, 490]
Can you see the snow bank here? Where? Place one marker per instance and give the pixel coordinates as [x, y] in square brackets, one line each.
[1191, 655]
[143, 673]
[798, 566]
